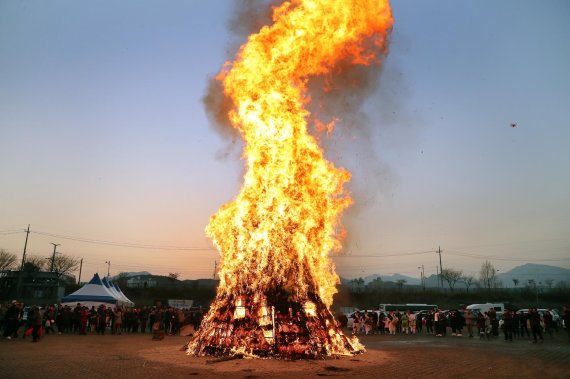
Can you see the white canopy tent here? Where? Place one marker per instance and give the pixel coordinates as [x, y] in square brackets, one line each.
[96, 292]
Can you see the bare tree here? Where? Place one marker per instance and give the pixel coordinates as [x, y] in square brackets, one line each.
[39, 262]
[64, 265]
[515, 282]
[469, 280]
[549, 283]
[7, 260]
[400, 283]
[174, 275]
[488, 275]
[451, 276]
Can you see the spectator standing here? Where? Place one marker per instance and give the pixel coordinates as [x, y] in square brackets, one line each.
[92, 319]
[368, 323]
[548, 321]
[101, 319]
[394, 322]
[481, 325]
[398, 316]
[75, 319]
[36, 321]
[49, 317]
[11, 320]
[357, 319]
[566, 319]
[412, 320]
[439, 322]
[118, 317]
[469, 322]
[405, 322]
[419, 322]
[535, 324]
[525, 324]
[83, 318]
[430, 321]
[143, 319]
[508, 324]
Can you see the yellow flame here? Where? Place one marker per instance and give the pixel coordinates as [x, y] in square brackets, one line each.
[281, 228]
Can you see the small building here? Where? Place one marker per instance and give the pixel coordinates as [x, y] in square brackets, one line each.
[33, 287]
[141, 281]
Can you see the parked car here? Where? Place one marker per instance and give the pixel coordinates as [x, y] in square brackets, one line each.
[555, 316]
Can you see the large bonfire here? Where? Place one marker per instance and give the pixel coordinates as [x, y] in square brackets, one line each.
[276, 278]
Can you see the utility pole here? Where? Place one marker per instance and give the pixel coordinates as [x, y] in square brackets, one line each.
[437, 274]
[80, 267]
[55, 245]
[108, 267]
[19, 286]
[423, 277]
[440, 267]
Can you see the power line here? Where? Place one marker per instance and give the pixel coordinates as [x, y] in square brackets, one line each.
[477, 256]
[382, 255]
[121, 244]
[13, 231]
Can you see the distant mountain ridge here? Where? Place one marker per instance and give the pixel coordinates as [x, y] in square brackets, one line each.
[392, 278]
[542, 275]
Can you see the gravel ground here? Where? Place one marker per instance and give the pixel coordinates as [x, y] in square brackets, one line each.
[138, 356]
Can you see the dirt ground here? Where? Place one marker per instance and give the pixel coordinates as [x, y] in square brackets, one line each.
[406, 356]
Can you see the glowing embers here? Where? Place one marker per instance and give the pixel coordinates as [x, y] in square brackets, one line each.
[240, 308]
[310, 309]
[279, 326]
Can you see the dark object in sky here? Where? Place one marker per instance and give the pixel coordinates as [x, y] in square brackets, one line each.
[513, 125]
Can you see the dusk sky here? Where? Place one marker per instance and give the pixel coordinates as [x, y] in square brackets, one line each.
[106, 148]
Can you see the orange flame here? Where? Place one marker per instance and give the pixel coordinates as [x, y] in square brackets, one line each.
[280, 229]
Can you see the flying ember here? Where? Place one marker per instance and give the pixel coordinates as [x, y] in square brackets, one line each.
[276, 278]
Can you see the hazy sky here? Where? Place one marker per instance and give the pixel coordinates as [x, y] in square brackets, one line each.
[104, 137]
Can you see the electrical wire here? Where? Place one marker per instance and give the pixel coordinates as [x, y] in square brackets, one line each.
[477, 256]
[121, 244]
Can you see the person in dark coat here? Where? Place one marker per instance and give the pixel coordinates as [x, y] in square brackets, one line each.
[535, 326]
[37, 321]
[101, 319]
[508, 324]
[11, 320]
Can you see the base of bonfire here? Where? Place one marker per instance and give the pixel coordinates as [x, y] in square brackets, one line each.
[248, 326]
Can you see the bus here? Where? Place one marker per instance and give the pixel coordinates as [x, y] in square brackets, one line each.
[405, 307]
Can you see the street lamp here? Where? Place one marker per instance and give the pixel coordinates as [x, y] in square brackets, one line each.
[422, 276]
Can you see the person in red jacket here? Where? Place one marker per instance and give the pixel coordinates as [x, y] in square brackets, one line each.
[83, 317]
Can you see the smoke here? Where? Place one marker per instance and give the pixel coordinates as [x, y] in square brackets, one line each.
[372, 108]
[353, 145]
[248, 17]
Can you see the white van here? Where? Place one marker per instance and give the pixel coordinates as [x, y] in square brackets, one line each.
[482, 308]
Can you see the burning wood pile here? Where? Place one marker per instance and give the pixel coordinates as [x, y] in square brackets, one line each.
[277, 280]
[247, 325]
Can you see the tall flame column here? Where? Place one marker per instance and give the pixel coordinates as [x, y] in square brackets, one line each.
[276, 278]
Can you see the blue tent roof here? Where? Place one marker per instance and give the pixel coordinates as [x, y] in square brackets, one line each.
[93, 291]
[95, 280]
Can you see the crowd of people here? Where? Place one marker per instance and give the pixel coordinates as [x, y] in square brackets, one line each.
[17, 320]
[531, 325]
